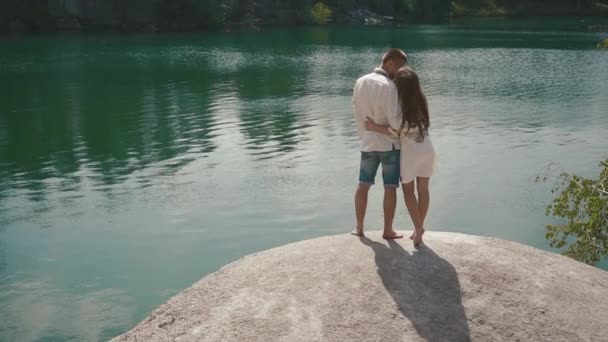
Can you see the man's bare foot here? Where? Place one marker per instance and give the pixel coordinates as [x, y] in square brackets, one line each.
[357, 232]
[390, 235]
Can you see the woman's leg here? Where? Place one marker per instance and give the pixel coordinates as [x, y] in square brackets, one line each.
[422, 187]
[412, 207]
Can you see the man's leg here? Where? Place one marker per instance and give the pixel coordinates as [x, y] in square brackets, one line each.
[361, 207]
[390, 176]
[367, 174]
[390, 205]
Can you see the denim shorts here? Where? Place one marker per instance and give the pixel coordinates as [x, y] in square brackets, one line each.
[390, 167]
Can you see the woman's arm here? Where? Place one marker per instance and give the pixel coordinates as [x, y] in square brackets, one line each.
[370, 125]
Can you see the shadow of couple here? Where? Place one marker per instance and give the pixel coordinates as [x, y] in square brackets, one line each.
[426, 289]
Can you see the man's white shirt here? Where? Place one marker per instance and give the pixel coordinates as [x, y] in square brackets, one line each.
[375, 96]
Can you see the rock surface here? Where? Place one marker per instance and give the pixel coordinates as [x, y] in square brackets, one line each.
[343, 288]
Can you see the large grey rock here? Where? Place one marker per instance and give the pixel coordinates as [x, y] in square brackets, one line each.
[342, 288]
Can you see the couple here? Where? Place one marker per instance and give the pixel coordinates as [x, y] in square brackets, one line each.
[393, 121]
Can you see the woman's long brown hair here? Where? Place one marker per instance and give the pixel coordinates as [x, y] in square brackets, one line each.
[413, 103]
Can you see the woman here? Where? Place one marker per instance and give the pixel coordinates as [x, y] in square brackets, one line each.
[417, 151]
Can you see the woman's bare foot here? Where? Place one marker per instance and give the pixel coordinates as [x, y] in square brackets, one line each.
[357, 232]
[391, 235]
[418, 237]
[413, 236]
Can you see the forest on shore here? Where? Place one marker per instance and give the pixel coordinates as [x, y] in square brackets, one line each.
[189, 15]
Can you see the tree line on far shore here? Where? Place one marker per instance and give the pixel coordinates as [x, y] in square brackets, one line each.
[187, 15]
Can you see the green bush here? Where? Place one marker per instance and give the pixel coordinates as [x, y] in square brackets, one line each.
[583, 204]
[603, 44]
[320, 13]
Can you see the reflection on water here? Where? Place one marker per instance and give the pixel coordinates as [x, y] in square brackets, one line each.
[3, 263]
[106, 111]
[39, 310]
[131, 166]
[268, 120]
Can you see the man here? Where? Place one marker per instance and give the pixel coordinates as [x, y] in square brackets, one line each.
[375, 96]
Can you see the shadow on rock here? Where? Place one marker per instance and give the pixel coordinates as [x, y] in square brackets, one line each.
[426, 289]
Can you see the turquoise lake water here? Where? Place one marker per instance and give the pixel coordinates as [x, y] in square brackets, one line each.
[131, 166]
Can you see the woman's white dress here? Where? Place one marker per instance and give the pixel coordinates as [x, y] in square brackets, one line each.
[418, 159]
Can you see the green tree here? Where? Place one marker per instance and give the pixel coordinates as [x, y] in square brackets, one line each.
[583, 204]
[320, 13]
